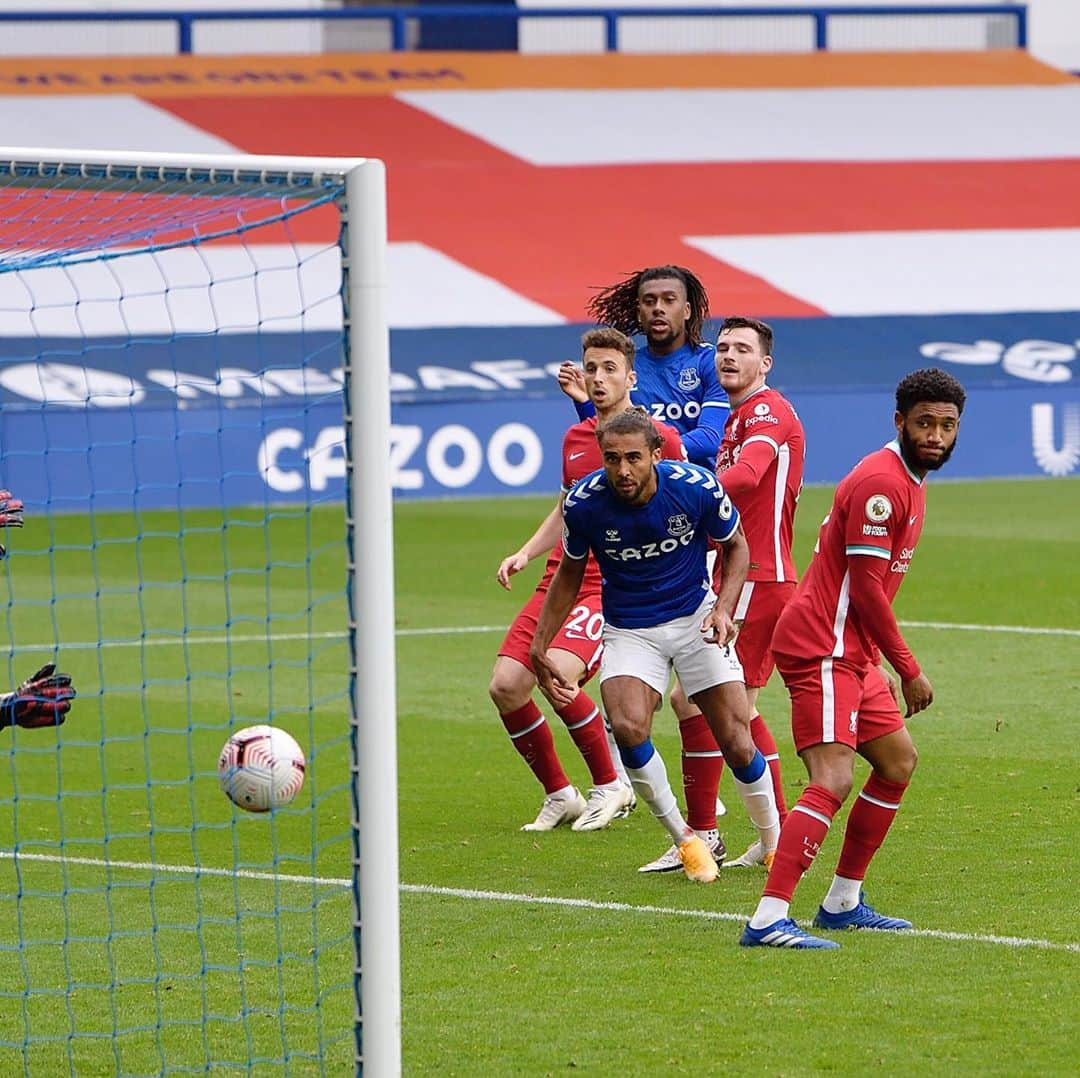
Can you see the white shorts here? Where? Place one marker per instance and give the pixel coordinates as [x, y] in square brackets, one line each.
[649, 654]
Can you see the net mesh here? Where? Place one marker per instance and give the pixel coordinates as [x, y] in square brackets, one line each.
[170, 394]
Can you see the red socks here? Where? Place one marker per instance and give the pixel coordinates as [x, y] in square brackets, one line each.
[586, 727]
[801, 837]
[528, 730]
[868, 823]
[702, 763]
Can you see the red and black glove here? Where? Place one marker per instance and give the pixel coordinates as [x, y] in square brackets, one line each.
[41, 700]
[11, 514]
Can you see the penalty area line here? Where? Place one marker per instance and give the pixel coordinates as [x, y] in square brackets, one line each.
[468, 894]
[719, 915]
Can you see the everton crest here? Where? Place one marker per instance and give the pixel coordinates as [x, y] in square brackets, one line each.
[679, 524]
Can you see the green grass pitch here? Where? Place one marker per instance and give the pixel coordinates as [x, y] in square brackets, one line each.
[521, 954]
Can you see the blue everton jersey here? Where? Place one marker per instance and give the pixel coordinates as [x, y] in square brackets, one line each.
[683, 389]
[652, 556]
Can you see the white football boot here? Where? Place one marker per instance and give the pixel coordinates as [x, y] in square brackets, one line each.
[556, 811]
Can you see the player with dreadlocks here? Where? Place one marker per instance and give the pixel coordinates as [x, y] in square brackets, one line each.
[677, 379]
[677, 383]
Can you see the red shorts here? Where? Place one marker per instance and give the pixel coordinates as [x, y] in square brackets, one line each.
[834, 701]
[580, 634]
[758, 611]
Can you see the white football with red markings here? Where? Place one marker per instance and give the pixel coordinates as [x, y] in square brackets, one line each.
[261, 768]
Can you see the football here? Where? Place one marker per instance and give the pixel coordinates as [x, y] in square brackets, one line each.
[261, 768]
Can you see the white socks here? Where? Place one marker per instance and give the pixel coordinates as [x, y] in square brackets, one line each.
[769, 911]
[565, 794]
[843, 895]
[651, 784]
[760, 802]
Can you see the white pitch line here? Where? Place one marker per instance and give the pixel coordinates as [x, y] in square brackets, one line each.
[193, 640]
[500, 896]
[186, 639]
[174, 870]
[1027, 630]
[947, 626]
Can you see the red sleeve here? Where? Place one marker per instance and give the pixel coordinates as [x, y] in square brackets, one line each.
[754, 460]
[673, 448]
[875, 509]
[866, 594]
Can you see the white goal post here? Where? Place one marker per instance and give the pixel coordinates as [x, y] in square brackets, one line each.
[356, 188]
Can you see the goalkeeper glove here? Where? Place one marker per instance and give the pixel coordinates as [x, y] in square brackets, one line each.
[41, 700]
[11, 514]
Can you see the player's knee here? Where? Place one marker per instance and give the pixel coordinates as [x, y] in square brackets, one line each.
[629, 730]
[732, 733]
[838, 784]
[836, 778]
[900, 766]
[506, 694]
[736, 745]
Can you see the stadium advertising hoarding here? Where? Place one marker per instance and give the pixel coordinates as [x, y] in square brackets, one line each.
[237, 419]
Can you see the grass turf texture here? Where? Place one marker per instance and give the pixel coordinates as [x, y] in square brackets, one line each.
[982, 845]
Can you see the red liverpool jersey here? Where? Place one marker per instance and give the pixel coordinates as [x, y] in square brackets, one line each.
[877, 513]
[761, 466]
[581, 457]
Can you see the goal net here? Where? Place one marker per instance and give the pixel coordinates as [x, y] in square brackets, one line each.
[194, 408]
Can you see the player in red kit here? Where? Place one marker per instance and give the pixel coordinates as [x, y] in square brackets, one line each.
[608, 363]
[761, 466]
[827, 645]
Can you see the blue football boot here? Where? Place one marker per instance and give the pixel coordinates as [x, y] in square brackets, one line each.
[862, 916]
[784, 933]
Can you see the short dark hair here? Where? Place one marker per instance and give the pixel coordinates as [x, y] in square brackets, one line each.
[607, 337]
[632, 421]
[762, 329]
[929, 386]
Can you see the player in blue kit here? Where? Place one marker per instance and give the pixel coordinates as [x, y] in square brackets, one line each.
[648, 522]
[677, 383]
[677, 380]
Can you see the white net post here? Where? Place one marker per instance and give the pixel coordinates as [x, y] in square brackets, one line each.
[371, 569]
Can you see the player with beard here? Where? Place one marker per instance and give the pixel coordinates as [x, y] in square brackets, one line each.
[826, 647]
[608, 363]
[761, 466]
[648, 522]
[677, 383]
